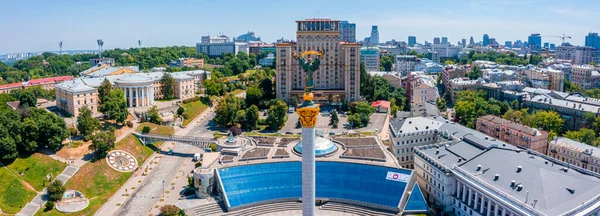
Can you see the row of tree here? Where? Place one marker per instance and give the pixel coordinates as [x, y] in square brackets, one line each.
[471, 105]
[23, 133]
[233, 111]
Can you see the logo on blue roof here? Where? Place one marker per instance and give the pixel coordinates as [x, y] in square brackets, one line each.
[394, 176]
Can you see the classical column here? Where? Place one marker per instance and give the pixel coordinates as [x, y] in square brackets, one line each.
[151, 94]
[481, 206]
[143, 96]
[130, 98]
[464, 194]
[489, 210]
[469, 197]
[137, 97]
[475, 202]
[308, 113]
[457, 189]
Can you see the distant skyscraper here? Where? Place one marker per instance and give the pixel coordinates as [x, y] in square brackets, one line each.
[412, 40]
[552, 46]
[518, 44]
[508, 44]
[493, 41]
[347, 31]
[436, 40]
[464, 42]
[486, 40]
[444, 40]
[535, 42]
[593, 40]
[471, 41]
[374, 35]
[546, 45]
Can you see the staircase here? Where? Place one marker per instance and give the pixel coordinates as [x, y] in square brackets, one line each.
[215, 208]
[267, 208]
[355, 209]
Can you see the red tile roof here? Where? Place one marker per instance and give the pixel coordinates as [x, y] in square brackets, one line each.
[11, 85]
[382, 103]
[48, 80]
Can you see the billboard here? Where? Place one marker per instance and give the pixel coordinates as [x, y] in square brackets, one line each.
[394, 176]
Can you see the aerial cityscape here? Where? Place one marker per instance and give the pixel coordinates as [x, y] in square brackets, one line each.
[304, 108]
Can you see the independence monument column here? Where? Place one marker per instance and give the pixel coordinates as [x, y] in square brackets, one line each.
[308, 112]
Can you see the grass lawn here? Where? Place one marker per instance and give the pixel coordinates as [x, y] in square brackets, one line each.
[132, 145]
[13, 194]
[98, 182]
[237, 91]
[193, 109]
[34, 169]
[156, 129]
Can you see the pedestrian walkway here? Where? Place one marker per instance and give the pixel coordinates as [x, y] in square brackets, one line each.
[41, 198]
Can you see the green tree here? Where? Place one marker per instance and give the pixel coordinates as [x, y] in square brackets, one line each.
[441, 104]
[44, 129]
[548, 121]
[588, 119]
[334, 119]
[56, 190]
[240, 118]
[254, 95]
[104, 90]
[153, 115]
[386, 63]
[571, 87]
[168, 86]
[277, 115]
[251, 117]
[596, 125]
[10, 134]
[169, 210]
[180, 110]
[115, 106]
[475, 73]
[27, 99]
[86, 123]
[102, 142]
[266, 85]
[226, 111]
[587, 136]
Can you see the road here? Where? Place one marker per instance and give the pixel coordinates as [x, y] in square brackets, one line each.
[159, 180]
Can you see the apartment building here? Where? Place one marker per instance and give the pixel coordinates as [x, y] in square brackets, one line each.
[575, 153]
[513, 133]
[585, 76]
[338, 76]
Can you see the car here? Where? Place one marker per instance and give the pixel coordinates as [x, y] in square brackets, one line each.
[170, 151]
[331, 133]
[289, 132]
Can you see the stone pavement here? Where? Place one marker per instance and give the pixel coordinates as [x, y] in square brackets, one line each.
[149, 189]
[40, 199]
[143, 199]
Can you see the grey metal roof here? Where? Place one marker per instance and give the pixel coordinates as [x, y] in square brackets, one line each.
[545, 184]
[575, 145]
[555, 190]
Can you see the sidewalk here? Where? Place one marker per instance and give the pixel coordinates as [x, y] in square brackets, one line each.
[135, 184]
[40, 199]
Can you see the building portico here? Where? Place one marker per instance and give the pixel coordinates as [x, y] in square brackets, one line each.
[138, 90]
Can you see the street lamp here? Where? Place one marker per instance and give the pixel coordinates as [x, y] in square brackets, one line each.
[163, 186]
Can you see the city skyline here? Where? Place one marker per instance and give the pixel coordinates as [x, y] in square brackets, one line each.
[38, 25]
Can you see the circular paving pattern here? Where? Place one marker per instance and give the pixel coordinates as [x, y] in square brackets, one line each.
[121, 161]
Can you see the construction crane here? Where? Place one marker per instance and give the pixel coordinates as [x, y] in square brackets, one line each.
[563, 37]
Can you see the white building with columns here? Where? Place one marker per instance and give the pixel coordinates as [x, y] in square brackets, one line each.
[464, 172]
[140, 89]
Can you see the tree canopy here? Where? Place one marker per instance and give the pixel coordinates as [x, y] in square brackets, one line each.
[86, 123]
[115, 106]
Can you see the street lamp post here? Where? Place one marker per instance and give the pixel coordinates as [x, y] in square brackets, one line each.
[163, 186]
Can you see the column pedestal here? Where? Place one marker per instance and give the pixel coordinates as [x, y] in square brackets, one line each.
[308, 171]
[308, 113]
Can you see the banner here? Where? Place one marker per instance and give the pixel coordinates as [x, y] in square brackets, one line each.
[394, 176]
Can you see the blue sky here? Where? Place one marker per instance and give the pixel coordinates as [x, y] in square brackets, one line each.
[38, 25]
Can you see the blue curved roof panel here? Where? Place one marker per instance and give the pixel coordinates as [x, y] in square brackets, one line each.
[371, 184]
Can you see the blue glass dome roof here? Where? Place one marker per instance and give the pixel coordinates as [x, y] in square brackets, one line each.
[322, 147]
